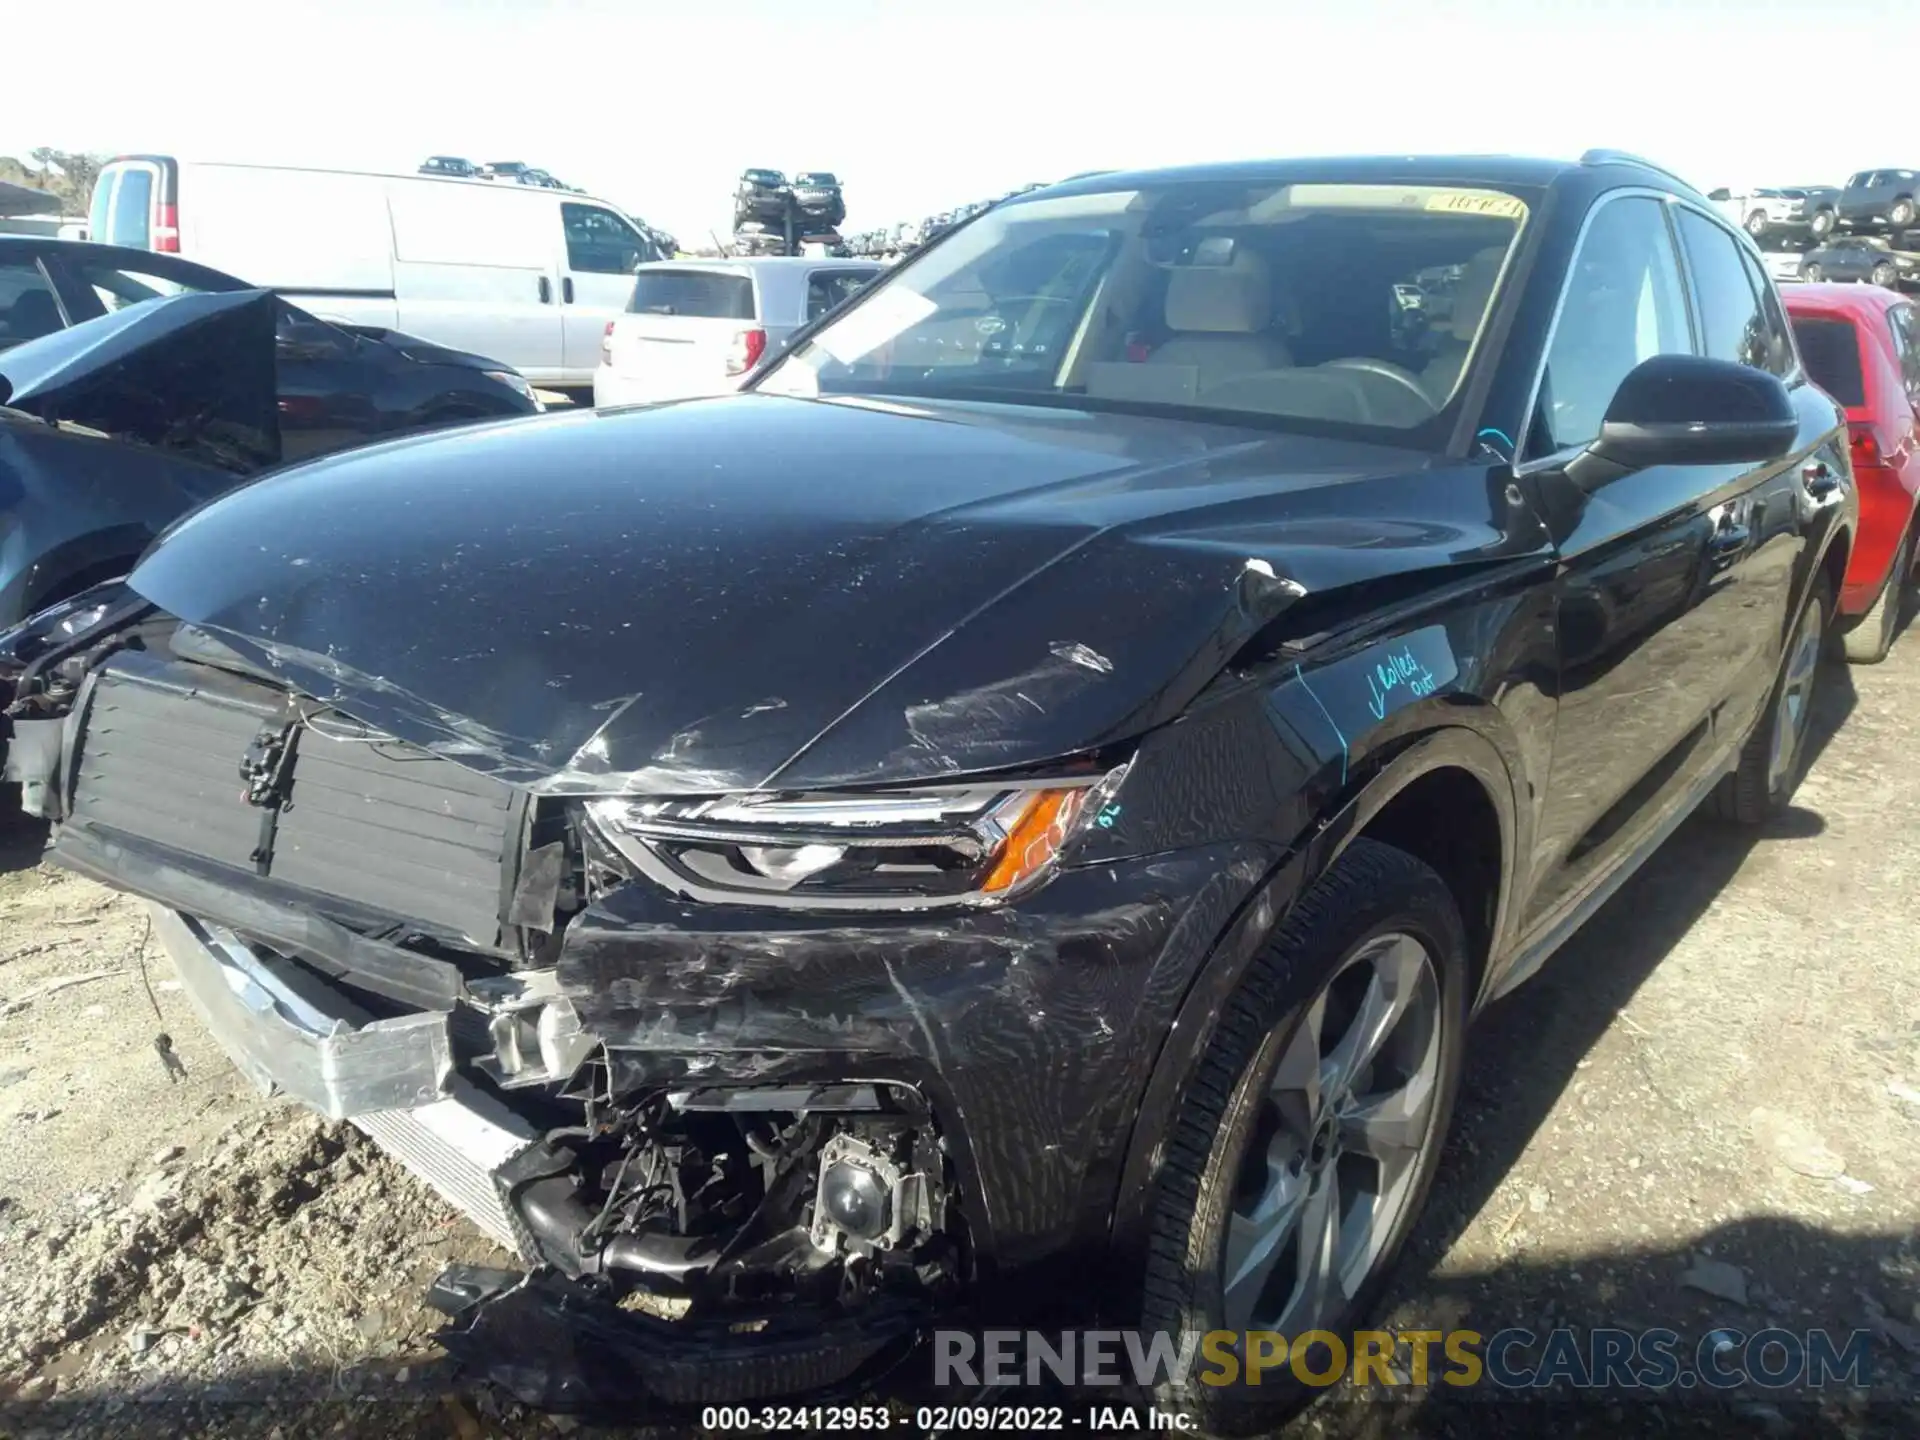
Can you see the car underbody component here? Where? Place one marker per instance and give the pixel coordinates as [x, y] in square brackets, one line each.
[572, 1347]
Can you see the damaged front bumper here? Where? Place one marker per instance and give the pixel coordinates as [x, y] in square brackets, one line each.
[287, 1030]
[696, 1117]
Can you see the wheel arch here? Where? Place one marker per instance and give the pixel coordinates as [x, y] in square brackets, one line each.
[1450, 771]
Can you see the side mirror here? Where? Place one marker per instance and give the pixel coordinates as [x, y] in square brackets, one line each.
[1688, 410]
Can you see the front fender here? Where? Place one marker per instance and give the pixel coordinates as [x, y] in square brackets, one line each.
[1454, 747]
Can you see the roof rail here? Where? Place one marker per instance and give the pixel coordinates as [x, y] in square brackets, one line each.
[1606, 156]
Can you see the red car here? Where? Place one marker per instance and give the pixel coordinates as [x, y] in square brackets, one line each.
[1861, 344]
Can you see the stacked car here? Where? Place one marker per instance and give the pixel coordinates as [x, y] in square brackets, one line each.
[1867, 229]
[772, 216]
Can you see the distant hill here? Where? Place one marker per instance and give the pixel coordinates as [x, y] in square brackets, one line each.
[68, 175]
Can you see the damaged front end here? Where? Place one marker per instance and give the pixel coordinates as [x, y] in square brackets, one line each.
[723, 1186]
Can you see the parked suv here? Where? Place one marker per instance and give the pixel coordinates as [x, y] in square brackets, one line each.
[761, 195]
[451, 166]
[817, 195]
[1015, 809]
[698, 327]
[1880, 200]
[1782, 215]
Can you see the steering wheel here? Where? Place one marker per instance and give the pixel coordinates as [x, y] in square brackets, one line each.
[1386, 370]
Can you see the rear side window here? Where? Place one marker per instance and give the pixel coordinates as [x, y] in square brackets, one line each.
[1734, 326]
[1779, 338]
[703, 294]
[27, 307]
[827, 288]
[97, 208]
[1831, 351]
[118, 286]
[131, 207]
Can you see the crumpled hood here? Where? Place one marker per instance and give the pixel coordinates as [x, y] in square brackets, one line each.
[754, 591]
[192, 374]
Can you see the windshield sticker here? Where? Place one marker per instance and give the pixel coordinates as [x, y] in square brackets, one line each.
[1476, 202]
[892, 309]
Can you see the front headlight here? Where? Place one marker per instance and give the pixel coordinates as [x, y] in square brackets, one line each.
[517, 383]
[901, 849]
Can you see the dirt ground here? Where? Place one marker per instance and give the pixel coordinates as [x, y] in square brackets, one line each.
[1717, 1085]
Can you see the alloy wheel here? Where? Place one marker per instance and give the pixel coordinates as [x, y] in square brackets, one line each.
[1757, 224]
[1884, 275]
[1347, 1116]
[1811, 271]
[1794, 710]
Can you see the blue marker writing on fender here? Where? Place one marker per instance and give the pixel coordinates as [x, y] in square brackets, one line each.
[1400, 669]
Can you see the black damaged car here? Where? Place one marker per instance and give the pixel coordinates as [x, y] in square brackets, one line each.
[1020, 806]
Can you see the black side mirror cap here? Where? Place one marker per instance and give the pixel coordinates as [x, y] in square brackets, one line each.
[1689, 410]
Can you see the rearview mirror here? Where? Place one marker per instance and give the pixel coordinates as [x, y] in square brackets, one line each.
[1689, 410]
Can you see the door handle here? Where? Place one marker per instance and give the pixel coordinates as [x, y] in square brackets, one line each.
[546, 291]
[566, 290]
[1818, 478]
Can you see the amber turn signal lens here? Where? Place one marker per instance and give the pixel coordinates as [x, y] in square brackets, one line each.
[1035, 839]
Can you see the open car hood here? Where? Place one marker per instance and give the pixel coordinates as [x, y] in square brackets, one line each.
[753, 592]
[192, 374]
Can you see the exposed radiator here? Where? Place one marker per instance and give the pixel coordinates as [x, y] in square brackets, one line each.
[456, 1145]
[373, 821]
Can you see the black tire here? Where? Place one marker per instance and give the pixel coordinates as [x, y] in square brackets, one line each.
[1757, 224]
[1900, 214]
[1822, 224]
[1884, 275]
[1869, 640]
[1812, 271]
[1373, 890]
[1752, 795]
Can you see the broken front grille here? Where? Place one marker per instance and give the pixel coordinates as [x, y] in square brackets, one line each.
[349, 814]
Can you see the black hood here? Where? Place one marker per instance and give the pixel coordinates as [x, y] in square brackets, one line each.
[753, 591]
[192, 374]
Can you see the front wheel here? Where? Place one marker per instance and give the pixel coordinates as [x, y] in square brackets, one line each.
[1885, 276]
[1821, 224]
[1900, 216]
[1303, 1151]
[1812, 271]
[1757, 224]
[1774, 756]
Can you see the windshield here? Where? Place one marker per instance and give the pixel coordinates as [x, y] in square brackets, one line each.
[1274, 300]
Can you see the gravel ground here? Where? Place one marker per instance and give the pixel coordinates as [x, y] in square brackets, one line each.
[1705, 1112]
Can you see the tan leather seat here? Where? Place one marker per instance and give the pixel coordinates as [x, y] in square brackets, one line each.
[1220, 315]
[1470, 298]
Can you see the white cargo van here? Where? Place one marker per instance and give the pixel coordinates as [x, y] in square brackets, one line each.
[525, 275]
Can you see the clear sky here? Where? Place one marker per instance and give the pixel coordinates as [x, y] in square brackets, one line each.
[922, 104]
